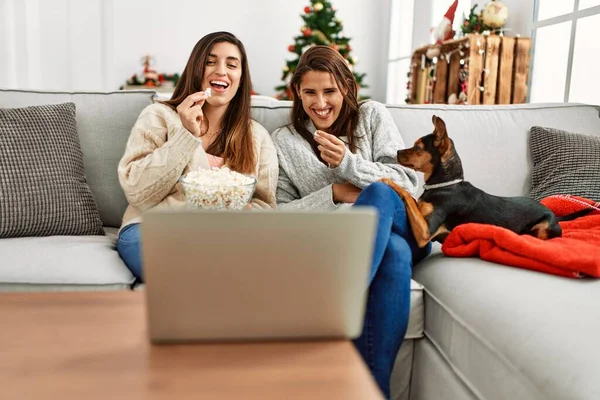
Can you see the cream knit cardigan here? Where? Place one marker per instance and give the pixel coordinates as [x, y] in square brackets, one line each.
[160, 150]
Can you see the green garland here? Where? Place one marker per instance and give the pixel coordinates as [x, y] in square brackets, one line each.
[474, 22]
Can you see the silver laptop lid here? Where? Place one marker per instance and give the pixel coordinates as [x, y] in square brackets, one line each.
[240, 275]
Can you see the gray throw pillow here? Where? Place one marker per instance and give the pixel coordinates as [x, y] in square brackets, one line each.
[43, 187]
[564, 163]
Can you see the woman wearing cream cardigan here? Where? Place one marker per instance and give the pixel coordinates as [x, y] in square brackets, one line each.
[196, 128]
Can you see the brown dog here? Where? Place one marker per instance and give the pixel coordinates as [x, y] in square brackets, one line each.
[449, 201]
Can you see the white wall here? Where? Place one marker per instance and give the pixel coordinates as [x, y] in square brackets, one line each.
[98, 44]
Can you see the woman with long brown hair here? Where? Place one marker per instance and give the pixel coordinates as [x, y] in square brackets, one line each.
[196, 128]
[332, 155]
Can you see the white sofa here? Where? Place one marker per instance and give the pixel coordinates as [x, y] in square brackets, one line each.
[477, 330]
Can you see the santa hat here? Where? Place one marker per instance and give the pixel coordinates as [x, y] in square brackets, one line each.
[450, 13]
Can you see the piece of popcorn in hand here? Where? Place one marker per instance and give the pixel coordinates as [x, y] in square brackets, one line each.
[208, 92]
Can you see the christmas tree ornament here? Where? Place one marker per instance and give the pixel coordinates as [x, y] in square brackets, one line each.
[321, 36]
[307, 10]
[292, 48]
[444, 30]
[318, 7]
[494, 14]
[307, 32]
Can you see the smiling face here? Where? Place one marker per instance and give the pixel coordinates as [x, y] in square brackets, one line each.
[321, 98]
[222, 73]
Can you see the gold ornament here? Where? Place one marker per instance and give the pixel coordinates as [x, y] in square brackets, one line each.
[318, 7]
[494, 14]
[321, 36]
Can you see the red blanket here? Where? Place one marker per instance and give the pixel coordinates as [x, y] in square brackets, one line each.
[575, 254]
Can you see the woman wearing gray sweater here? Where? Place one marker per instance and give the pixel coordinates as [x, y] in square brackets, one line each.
[333, 155]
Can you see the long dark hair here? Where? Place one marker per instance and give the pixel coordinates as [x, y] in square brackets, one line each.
[325, 59]
[235, 143]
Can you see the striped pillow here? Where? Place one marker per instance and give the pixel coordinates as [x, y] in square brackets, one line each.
[564, 163]
[43, 187]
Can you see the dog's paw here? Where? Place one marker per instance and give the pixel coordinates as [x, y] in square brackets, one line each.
[387, 181]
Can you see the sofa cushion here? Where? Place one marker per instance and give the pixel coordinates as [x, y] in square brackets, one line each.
[433, 378]
[271, 113]
[564, 163]
[416, 319]
[62, 262]
[535, 333]
[104, 122]
[43, 185]
[401, 373]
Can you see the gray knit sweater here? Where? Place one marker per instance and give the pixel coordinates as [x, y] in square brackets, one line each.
[306, 183]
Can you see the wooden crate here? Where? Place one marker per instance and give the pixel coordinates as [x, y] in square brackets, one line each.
[498, 68]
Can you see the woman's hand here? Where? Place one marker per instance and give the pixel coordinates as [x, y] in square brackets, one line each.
[190, 112]
[331, 147]
[345, 192]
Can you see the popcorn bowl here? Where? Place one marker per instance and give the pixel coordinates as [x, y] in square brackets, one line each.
[217, 189]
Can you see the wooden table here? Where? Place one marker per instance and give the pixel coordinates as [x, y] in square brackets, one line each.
[94, 346]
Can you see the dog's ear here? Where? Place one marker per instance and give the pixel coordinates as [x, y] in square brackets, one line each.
[440, 128]
[442, 142]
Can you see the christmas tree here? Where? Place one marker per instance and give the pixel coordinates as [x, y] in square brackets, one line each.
[320, 27]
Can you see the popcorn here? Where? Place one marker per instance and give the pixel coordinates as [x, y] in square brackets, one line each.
[217, 188]
[208, 92]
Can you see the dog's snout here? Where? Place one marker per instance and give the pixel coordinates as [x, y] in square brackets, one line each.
[399, 155]
[402, 154]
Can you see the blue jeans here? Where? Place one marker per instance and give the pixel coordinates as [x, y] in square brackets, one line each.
[128, 247]
[388, 303]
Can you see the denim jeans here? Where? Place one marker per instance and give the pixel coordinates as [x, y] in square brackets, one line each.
[128, 247]
[388, 302]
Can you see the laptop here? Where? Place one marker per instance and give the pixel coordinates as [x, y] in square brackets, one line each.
[256, 275]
